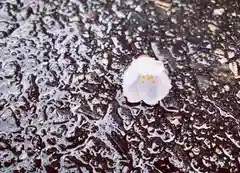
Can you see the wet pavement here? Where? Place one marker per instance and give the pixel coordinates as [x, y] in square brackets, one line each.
[61, 103]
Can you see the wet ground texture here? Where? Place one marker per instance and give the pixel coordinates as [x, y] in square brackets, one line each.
[61, 103]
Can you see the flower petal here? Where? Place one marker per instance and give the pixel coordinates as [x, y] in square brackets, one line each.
[163, 85]
[129, 76]
[151, 100]
[147, 65]
[151, 96]
[154, 89]
[131, 92]
[147, 89]
[151, 90]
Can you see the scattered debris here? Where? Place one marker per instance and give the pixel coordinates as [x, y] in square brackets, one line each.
[218, 151]
[218, 12]
[156, 51]
[231, 54]
[220, 54]
[223, 73]
[238, 94]
[175, 120]
[234, 68]
[229, 71]
[162, 4]
[212, 27]
[203, 82]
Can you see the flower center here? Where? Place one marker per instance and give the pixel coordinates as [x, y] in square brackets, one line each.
[148, 78]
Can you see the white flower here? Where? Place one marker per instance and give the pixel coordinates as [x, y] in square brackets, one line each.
[146, 79]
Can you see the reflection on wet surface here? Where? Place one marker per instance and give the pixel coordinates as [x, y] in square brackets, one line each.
[61, 103]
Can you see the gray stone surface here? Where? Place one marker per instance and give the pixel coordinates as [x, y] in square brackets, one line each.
[61, 103]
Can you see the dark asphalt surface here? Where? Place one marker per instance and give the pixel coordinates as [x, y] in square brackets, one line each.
[61, 103]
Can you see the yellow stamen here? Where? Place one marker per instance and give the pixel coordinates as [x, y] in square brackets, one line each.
[142, 81]
[153, 81]
[143, 76]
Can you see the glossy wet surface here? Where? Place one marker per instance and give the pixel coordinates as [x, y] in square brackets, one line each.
[61, 103]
